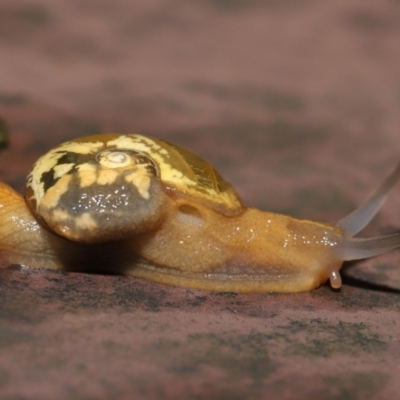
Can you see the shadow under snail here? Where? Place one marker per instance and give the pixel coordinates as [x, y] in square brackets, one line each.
[140, 206]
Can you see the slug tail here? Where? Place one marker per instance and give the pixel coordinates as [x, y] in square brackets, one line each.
[362, 216]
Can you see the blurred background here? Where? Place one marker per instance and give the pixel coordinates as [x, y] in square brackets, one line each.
[296, 102]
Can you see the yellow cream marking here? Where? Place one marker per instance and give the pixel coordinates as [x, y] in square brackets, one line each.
[52, 196]
[107, 177]
[80, 147]
[62, 169]
[87, 178]
[141, 180]
[50, 160]
[60, 215]
[85, 221]
[143, 188]
[87, 174]
[87, 167]
[44, 164]
[131, 142]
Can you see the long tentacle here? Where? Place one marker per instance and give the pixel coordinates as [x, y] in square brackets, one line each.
[356, 249]
[360, 218]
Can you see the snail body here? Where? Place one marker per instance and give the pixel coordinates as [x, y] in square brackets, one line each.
[140, 206]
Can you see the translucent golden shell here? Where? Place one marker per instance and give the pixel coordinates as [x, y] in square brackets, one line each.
[78, 187]
[178, 168]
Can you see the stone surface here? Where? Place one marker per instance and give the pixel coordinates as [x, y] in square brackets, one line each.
[296, 103]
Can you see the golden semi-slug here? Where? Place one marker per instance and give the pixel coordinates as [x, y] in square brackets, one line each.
[143, 207]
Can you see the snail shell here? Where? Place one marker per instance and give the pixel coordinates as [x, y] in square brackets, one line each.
[108, 187]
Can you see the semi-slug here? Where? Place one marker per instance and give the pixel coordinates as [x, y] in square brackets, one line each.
[130, 204]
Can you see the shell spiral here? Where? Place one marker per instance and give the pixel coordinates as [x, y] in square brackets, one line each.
[109, 187]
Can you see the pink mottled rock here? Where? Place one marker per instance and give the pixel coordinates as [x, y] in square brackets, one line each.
[296, 103]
